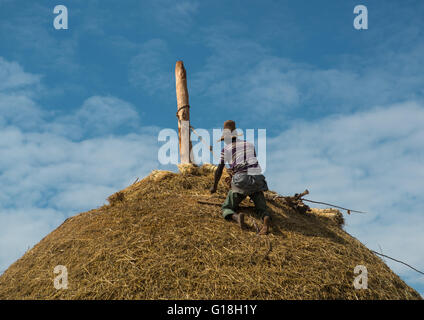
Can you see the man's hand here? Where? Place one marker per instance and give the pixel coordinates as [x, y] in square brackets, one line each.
[212, 189]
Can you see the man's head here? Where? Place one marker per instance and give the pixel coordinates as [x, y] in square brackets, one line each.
[229, 131]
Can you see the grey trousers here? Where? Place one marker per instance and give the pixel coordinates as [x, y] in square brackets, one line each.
[234, 199]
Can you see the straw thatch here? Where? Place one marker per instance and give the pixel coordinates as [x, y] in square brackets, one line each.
[164, 238]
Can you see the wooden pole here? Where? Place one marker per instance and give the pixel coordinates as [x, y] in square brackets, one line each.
[183, 113]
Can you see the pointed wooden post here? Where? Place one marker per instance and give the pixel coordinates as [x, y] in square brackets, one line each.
[183, 113]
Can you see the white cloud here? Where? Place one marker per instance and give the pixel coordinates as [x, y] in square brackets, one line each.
[45, 178]
[369, 161]
[51, 168]
[20, 229]
[19, 109]
[16, 90]
[12, 76]
[106, 114]
[97, 116]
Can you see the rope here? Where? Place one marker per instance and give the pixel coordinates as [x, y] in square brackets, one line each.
[398, 261]
[180, 108]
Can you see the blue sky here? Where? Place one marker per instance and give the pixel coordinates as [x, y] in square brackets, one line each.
[80, 109]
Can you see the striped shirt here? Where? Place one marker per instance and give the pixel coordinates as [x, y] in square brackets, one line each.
[241, 157]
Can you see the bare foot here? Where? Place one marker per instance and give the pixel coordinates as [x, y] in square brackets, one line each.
[239, 218]
[265, 228]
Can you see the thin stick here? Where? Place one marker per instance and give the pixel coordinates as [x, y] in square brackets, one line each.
[332, 205]
[398, 261]
[208, 202]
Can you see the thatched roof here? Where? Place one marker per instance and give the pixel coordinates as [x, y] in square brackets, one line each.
[155, 240]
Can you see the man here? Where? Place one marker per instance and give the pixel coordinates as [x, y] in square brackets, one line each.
[247, 178]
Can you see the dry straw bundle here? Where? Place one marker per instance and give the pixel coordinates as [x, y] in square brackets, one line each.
[160, 239]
